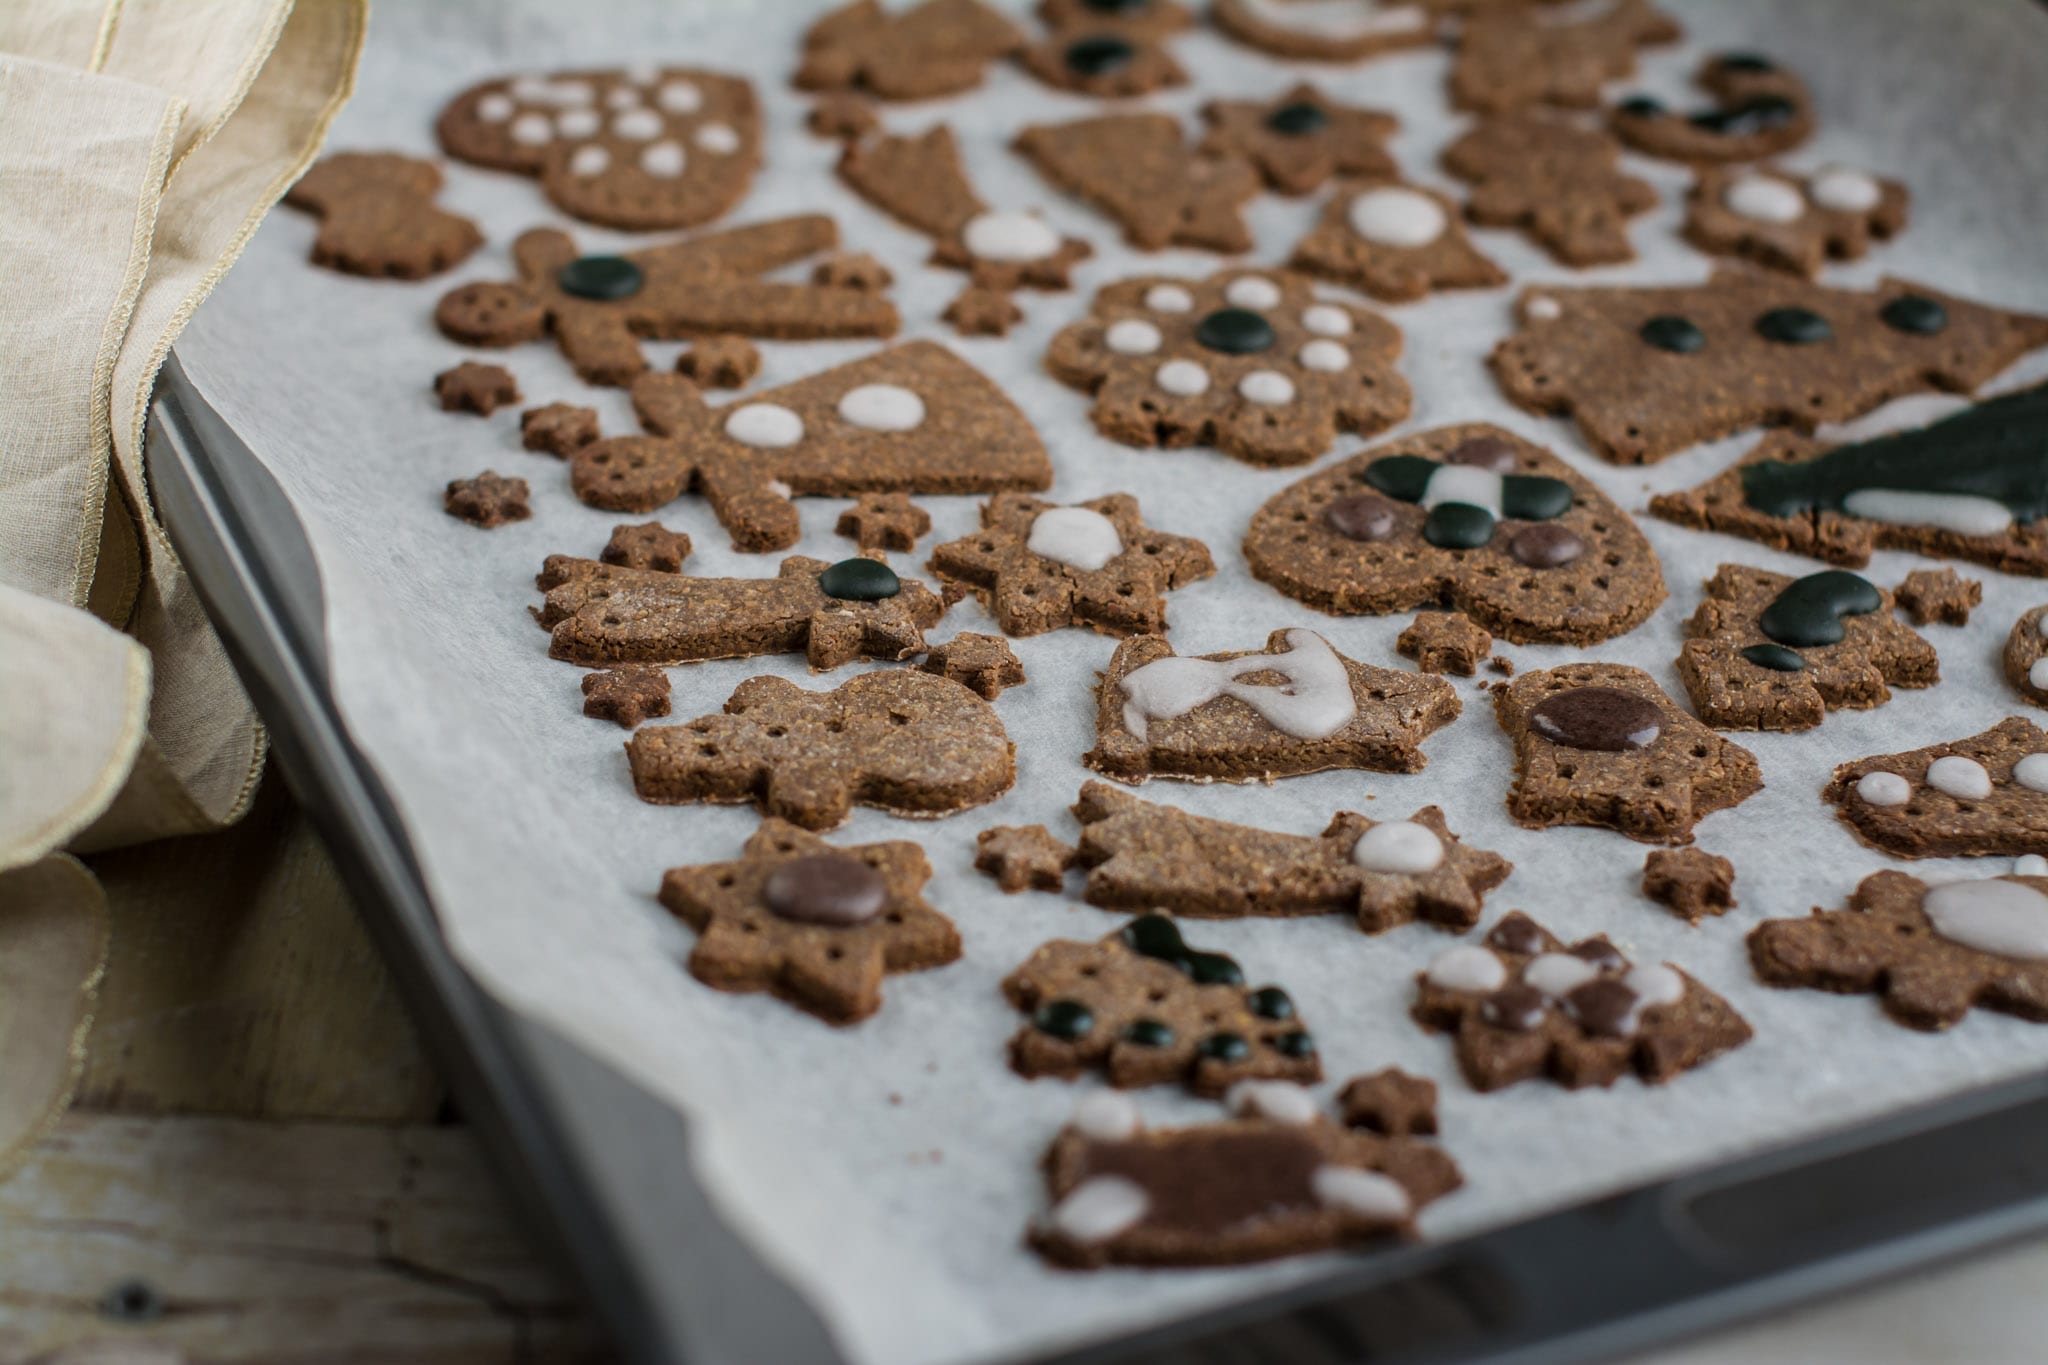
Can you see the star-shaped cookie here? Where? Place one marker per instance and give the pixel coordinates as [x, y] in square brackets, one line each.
[487, 500]
[983, 663]
[1023, 856]
[481, 389]
[1301, 137]
[1689, 882]
[647, 545]
[720, 362]
[884, 521]
[1942, 596]
[625, 696]
[559, 429]
[1390, 1102]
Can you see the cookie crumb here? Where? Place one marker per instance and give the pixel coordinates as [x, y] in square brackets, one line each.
[625, 696]
[720, 362]
[983, 663]
[1939, 595]
[1023, 856]
[1502, 665]
[471, 387]
[1689, 882]
[979, 311]
[648, 545]
[487, 500]
[559, 429]
[884, 521]
[1391, 1103]
[1445, 642]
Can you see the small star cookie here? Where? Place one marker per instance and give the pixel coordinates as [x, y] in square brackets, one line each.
[649, 545]
[487, 500]
[984, 663]
[1939, 595]
[1395, 241]
[884, 521]
[1689, 882]
[559, 429]
[853, 270]
[842, 116]
[981, 311]
[1391, 1103]
[470, 387]
[720, 362]
[626, 696]
[1023, 856]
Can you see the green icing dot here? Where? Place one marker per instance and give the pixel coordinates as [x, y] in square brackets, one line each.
[860, 580]
[1148, 1033]
[1225, 1047]
[1458, 526]
[1270, 1002]
[1069, 1019]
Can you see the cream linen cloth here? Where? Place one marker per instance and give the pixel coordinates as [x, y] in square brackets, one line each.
[141, 141]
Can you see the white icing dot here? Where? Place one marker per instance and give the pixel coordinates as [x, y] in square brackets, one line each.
[1078, 536]
[495, 107]
[1764, 198]
[622, 97]
[1556, 974]
[2031, 772]
[764, 424]
[578, 122]
[1468, 967]
[1367, 1194]
[533, 129]
[2037, 674]
[1168, 298]
[1327, 356]
[1466, 483]
[1182, 378]
[1962, 778]
[1281, 1101]
[1543, 308]
[2041, 625]
[1315, 701]
[1252, 291]
[562, 94]
[1845, 190]
[589, 161]
[2030, 865]
[532, 89]
[664, 158]
[1100, 1208]
[1990, 915]
[882, 407]
[1655, 984]
[1132, 336]
[1397, 217]
[1883, 789]
[1269, 387]
[1009, 236]
[679, 97]
[637, 125]
[1326, 320]
[1964, 513]
[1106, 1116]
[1398, 846]
[718, 138]
[780, 489]
[642, 73]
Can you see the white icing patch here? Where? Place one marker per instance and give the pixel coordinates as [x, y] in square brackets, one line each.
[638, 125]
[2031, 772]
[1182, 378]
[1544, 308]
[780, 489]
[2037, 674]
[1099, 1208]
[764, 424]
[1992, 916]
[561, 94]
[1326, 356]
[719, 139]
[533, 130]
[578, 122]
[532, 89]
[882, 407]
[1106, 1116]
[620, 97]
[1009, 236]
[1315, 702]
[1556, 974]
[1655, 984]
[1844, 190]
[2030, 865]
[1962, 778]
[679, 97]
[1326, 320]
[1399, 846]
[1078, 536]
[1468, 967]
[1964, 513]
[2041, 626]
[642, 73]
[589, 161]
[664, 158]
[1252, 291]
[1764, 198]
[1339, 18]
[1269, 387]
[1396, 217]
[1168, 298]
[1132, 336]
[495, 107]
[1884, 789]
[1367, 1194]
[1466, 483]
[1281, 1101]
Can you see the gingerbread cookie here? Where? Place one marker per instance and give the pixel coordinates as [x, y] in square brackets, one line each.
[377, 216]
[926, 49]
[834, 613]
[1747, 348]
[1444, 642]
[1510, 57]
[559, 429]
[1601, 744]
[853, 270]
[884, 521]
[626, 696]
[981, 311]
[481, 389]
[1760, 111]
[1108, 48]
[1394, 241]
[1254, 363]
[1473, 518]
[1023, 856]
[1139, 169]
[1792, 222]
[900, 740]
[914, 418]
[635, 148]
[2026, 655]
[1938, 596]
[1689, 882]
[1987, 794]
[1301, 137]
[1766, 651]
[1038, 566]
[1147, 1009]
[843, 116]
[1391, 1103]
[816, 925]
[1559, 183]
[1968, 485]
[1279, 1179]
[1296, 706]
[1929, 952]
[982, 663]
[1324, 30]
[720, 362]
[488, 500]
[1523, 1006]
[600, 308]
[1384, 872]
[649, 545]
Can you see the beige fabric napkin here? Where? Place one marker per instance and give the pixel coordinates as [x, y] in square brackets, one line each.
[141, 141]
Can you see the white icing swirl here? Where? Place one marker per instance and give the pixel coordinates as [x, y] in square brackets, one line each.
[2031, 772]
[637, 125]
[1078, 536]
[578, 122]
[533, 130]
[1327, 357]
[1844, 190]
[495, 107]
[1182, 378]
[1655, 984]
[1326, 320]
[1465, 483]
[2030, 865]
[1268, 388]
[1992, 916]
[2037, 674]
[1315, 702]
[719, 139]
[679, 97]
[1169, 298]
[1281, 1101]
[665, 158]
[1106, 1116]
[1543, 308]
[1764, 199]
[1100, 1208]
[1557, 974]
[589, 161]
[1964, 513]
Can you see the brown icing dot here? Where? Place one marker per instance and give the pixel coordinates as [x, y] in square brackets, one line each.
[1517, 934]
[825, 888]
[1546, 545]
[1600, 953]
[1606, 719]
[1487, 452]
[1603, 1006]
[1361, 516]
[1517, 1007]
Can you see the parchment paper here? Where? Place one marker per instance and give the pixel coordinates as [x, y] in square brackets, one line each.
[891, 1167]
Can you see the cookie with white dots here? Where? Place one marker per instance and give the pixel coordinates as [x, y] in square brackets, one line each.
[1394, 241]
[1974, 797]
[636, 148]
[1789, 221]
[2026, 655]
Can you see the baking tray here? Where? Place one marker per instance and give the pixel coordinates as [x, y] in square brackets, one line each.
[599, 1166]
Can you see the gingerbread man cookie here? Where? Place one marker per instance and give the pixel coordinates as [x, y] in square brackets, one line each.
[1510, 57]
[1792, 222]
[1394, 241]
[1761, 110]
[1987, 794]
[1300, 138]
[1559, 183]
[926, 49]
[378, 218]
[1139, 169]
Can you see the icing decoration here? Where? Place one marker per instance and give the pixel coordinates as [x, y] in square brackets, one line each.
[1764, 198]
[1543, 308]
[1080, 536]
[1600, 953]
[1366, 1194]
[1281, 1101]
[1132, 336]
[679, 97]
[1545, 546]
[533, 129]
[1323, 355]
[1843, 190]
[664, 158]
[1958, 512]
[1464, 498]
[1182, 378]
[1794, 326]
[1297, 119]
[1884, 789]
[1668, 332]
[1100, 1208]
[860, 580]
[1168, 298]
[2031, 772]
[1270, 1002]
[882, 407]
[1250, 291]
[1361, 516]
[717, 138]
[1106, 1116]
[1315, 702]
[1603, 719]
[622, 99]
[1809, 612]
[1399, 846]
[589, 161]
[1159, 937]
[637, 125]
[1991, 915]
[1558, 974]
[1269, 387]
[1224, 1047]
[2030, 865]
[579, 123]
[1325, 320]
[1914, 313]
[1517, 1007]
[1397, 217]
[1605, 1007]
[1963, 778]
[1234, 331]
[495, 108]
[1067, 1019]
[1487, 452]
[764, 424]
[1148, 1033]
[1655, 984]
[1099, 54]
[642, 73]
[1775, 657]
[600, 277]
[2037, 674]
[834, 889]
[1468, 967]
[1008, 236]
